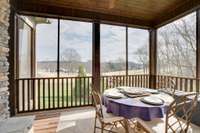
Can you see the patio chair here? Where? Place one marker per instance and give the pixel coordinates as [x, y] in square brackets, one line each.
[172, 123]
[105, 119]
[169, 87]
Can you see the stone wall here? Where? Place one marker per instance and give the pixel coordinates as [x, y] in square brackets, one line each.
[4, 38]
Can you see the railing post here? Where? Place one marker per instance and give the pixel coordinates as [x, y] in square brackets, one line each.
[152, 57]
[197, 49]
[96, 56]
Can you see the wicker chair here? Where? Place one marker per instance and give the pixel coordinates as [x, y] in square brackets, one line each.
[105, 119]
[169, 86]
[173, 123]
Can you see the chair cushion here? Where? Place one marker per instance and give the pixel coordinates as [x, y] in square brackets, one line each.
[158, 125]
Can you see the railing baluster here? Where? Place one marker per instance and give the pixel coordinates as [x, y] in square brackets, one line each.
[58, 92]
[137, 80]
[84, 90]
[191, 85]
[186, 84]
[114, 81]
[17, 92]
[75, 91]
[39, 94]
[28, 94]
[49, 85]
[23, 95]
[63, 93]
[88, 89]
[67, 94]
[33, 89]
[103, 84]
[181, 84]
[71, 87]
[106, 82]
[43, 87]
[80, 93]
[53, 93]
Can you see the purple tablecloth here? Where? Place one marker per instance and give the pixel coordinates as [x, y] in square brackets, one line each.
[132, 108]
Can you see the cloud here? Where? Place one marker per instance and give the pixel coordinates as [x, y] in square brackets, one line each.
[78, 35]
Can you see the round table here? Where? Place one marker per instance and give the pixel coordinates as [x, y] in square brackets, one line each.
[133, 107]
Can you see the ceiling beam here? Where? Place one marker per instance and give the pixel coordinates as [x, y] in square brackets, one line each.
[45, 10]
[183, 9]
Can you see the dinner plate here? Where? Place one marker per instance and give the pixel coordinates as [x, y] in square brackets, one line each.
[135, 96]
[152, 91]
[114, 95]
[132, 91]
[152, 100]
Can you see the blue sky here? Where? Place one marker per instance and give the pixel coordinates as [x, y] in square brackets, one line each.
[78, 35]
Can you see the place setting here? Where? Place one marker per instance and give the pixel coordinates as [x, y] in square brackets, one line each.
[152, 100]
[141, 95]
[114, 94]
[134, 92]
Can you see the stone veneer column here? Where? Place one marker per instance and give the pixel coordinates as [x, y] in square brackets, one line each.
[4, 38]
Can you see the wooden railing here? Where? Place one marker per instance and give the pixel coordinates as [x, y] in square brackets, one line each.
[182, 83]
[34, 94]
[122, 80]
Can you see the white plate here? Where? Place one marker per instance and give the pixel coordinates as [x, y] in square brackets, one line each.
[152, 100]
[114, 95]
[133, 91]
[151, 91]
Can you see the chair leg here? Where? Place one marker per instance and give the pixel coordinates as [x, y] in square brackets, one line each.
[95, 122]
[102, 127]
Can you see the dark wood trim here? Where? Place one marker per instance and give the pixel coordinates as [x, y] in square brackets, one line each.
[58, 65]
[28, 8]
[96, 56]
[197, 48]
[126, 51]
[152, 57]
[187, 7]
[16, 50]
[11, 60]
[33, 54]
[58, 49]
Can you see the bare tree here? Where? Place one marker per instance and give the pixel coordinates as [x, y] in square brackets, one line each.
[142, 57]
[177, 48]
[71, 58]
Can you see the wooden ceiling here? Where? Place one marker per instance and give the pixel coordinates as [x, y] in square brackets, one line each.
[141, 13]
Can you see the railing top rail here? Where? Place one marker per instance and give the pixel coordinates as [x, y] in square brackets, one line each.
[124, 75]
[180, 77]
[104, 76]
[40, 78]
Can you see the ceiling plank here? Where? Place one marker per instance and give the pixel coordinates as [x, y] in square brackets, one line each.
[77, 14]
[135, 13]
[185, 8]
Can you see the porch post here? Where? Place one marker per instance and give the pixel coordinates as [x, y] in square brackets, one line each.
[152, 57]
[96, 56]
[11, 60]
[197, 48]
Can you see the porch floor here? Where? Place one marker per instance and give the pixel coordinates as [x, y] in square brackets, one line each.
[49, 121]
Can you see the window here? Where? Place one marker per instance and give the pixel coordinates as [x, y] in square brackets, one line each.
[138, 51]
[113, 50]
[75, 48]
[177, 48]
[46, 46]
[24, 46]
